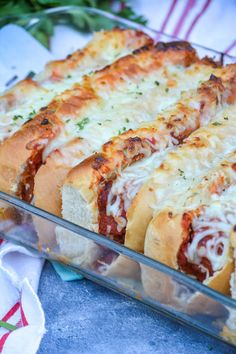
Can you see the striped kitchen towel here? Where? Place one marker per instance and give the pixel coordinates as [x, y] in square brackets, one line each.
[20, 309]
[206, 22]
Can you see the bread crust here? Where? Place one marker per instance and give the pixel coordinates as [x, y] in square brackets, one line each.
[17, 95]
[117, 39]
[170, 228]
[16, 151]
[68, 103]
[123, 150]
[145, 204]
[164, 236]
[25, 99]
[139, 64]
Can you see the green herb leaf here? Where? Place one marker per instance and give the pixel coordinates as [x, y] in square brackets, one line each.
[82, 124]
[157, 83]
[121, 131]
[181, 172]
[32, 114]
[216, 123]
[80, 19]
[167, 89]
[8, 326]
[18, 116]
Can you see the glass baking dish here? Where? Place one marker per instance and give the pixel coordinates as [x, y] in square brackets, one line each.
[189, 301]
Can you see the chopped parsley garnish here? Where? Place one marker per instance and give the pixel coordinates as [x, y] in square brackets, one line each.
[99, 123]
[157, 83]
[127, 120]
[181, 172]
[167, 89]
[18, 116]
[226, 118]
[216, 123]
[31, 114]
[69, 76]
[68, 120]
[139, 93]
[122, 130]
[82, 124]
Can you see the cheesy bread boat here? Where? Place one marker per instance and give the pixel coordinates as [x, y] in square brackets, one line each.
[128, 93]
[66, 117]
[22, 102]
[194, 236]
[88, 193]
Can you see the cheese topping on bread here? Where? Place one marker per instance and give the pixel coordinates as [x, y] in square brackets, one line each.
[182, 169]
[128, 106]
[24, 101]
[207, 248]
[125, 95]
[200, 152]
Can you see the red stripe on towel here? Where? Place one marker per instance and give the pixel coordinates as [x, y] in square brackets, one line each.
[8, 315]
[23, 318]
[11, 312]
[182, 18]
[196, 19]
[3, 340]
[168, 16]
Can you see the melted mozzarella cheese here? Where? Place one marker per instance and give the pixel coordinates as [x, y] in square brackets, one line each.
[49, 88]
[129, 182]
[130, 104]
[217, 220]
[214, 182]
[184, 168]
[12, 121]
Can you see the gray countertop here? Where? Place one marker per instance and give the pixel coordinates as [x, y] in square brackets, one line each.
[82, 317]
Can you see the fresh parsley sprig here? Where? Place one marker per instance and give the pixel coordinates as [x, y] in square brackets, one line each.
[80, 19]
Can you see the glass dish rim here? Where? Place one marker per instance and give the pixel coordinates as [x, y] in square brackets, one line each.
[177, 275]
[94, 10]
[121, 249]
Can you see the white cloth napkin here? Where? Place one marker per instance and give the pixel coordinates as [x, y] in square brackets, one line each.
[19, 305]
[205, 22]
[19, 269]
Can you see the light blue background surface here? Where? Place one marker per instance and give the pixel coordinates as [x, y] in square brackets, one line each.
[84, 318]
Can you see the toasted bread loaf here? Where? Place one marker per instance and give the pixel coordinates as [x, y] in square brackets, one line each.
[129, 92]
[87, 187]
[24, 100]
[105, 184]
[179, 172]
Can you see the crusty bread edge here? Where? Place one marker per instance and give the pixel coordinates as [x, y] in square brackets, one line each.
[163, 239]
